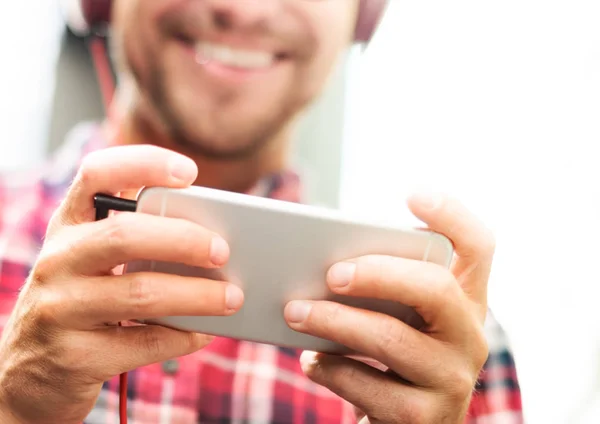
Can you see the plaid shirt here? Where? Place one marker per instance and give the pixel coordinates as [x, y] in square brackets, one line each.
[229, 381]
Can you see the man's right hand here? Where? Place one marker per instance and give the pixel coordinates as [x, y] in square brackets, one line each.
[61, 341]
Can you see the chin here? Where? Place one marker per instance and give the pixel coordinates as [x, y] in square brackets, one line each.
[213, 146]
[233, 125]
[221, 134]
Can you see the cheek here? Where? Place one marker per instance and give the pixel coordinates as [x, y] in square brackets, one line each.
[334, 27]
[320, 69]
[137, 41]
[141, 55]
[333, 31]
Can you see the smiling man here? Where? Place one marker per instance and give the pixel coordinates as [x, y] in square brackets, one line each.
[224, 83]
[209, 93]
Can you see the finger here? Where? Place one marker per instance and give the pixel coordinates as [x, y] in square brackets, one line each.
[123, 168]
[473, 241]
[96, 301]
[428, 288]
[378, 395]
[97, 247]
[413, 355]
[128, 348]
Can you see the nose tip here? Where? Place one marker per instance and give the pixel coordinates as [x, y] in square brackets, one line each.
[229, 14]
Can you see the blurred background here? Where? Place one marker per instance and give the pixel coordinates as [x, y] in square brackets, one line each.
[497, 103]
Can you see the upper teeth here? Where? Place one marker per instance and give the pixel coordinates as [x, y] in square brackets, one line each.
[239, 58]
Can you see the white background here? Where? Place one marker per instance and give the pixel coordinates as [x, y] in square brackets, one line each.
[498, 103]
[29, 43]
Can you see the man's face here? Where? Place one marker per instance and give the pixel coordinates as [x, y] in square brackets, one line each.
[223, 76]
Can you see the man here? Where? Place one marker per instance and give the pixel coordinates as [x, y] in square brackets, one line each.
[209, 93]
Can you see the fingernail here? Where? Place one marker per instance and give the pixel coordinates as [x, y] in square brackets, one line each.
[308, 356]
[200, 341]
[308, 360]
[219, 251]
[183, 169]
[427, 200]
[297, 311]
[233, 297]
[341, 274]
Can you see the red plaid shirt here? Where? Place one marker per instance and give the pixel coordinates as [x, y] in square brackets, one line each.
[229, 381]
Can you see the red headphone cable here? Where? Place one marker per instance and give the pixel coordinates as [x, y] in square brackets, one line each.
[103, 70]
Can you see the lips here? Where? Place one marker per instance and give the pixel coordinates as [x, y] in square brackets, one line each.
[237, 54]
[235, 57]
[192, 23]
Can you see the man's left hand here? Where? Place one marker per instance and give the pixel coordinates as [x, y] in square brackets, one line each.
[432, 372]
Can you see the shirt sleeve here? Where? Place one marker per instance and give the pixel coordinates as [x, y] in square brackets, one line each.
[497, 395]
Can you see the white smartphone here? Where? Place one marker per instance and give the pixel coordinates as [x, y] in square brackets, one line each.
[281, 251]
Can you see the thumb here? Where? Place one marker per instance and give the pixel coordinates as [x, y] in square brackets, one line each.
[473, 242]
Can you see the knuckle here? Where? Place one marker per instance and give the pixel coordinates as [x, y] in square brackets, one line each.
[45, 310]
[42, 271]
[414, 410]
[415, 413]
[77, 354]
[389, 336]
[348, 375]
[117, 234]
[150, 343]
[332, 314]
[461, 383]
[46, 267]
[142, 293]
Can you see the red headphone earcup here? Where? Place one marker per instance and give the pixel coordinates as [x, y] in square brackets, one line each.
[82, 16]
[369, 15]
[96, 12]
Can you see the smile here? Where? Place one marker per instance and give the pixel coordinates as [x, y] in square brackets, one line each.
[236, 58]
